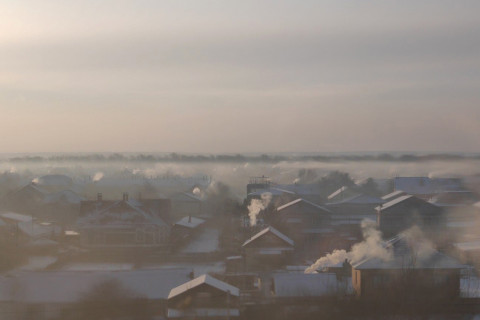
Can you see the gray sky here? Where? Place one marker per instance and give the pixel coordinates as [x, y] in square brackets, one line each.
[237, 76]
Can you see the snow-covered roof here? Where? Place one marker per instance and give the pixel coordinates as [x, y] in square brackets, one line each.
[272, 191]
[393, 202]
[186, 196]
[204, 279]
[393, 195]
[291, 285]
[70, 286]
[190, 222]
[301, 200]
[360, 199]
[121, 213]
[301, 188]
[16, 216]
[337, 192]
[272, 230]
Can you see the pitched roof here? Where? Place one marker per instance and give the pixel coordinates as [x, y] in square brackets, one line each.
[185, 196]
[267, 230]
[393, 202]
[436, 261]
[360, 199]
[204, 279]
[337, 192]
[393, 195]
[409, 252]
[122, 212]
[190, 222]
[16, 216]
[301, 200]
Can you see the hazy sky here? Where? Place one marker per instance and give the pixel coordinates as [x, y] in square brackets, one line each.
[236, 76]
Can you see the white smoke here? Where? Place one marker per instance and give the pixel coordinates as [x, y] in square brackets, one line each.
[371, 247]
[196, 191]
[257, 205]
[97, 177]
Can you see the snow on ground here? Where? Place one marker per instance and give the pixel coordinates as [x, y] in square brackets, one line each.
[205, 242]
[37, 263]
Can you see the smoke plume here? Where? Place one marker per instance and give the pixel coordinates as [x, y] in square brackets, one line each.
[196, 191]
[257, 205]
[371, 247]
[97, 177]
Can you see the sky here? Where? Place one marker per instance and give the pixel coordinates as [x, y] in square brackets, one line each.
[239, 76]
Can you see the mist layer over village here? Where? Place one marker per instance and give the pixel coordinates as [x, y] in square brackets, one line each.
[274, 159]
[153, 236]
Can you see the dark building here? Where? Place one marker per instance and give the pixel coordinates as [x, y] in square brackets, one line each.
[268, 249]
[125, 223]
[405, 211]
[413, 271]
[204, 298]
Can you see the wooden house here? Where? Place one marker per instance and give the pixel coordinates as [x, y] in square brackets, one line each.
[204, 297]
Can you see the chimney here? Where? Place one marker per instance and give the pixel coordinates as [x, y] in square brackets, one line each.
[99, 196]
[125, 196]
[189, 219]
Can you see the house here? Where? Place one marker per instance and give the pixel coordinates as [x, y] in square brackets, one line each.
[342, 194]
[405, 211]
[301, 214]
[125, 223]
[468, 252]
[204, 297]
[454, 199]
[184, 229]
[349, 213]
[267, 249]
[393, 195]
[287, 287]
[48, 294]
[424, 187]
[414, 270]
[25, 230]
[54, 182]
[286, 192]
[187, 204]
[39, 201]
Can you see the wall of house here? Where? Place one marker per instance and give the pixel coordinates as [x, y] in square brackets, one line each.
[410, 283]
